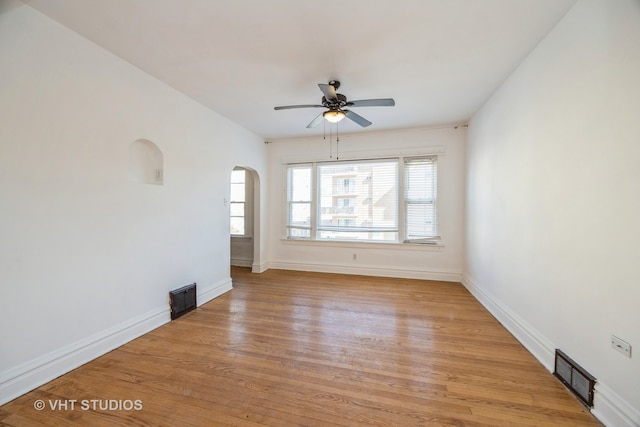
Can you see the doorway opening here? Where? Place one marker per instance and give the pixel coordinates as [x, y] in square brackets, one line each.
[244, 204]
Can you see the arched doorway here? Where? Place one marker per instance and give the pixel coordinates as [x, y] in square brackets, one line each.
[244, 218]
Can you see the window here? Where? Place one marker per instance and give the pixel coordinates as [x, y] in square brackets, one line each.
[370, 213]
[420, 191]
[237, 202]
[299, 201]
[388, 200]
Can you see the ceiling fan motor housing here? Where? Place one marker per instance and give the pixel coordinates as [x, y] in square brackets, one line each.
[340, 102]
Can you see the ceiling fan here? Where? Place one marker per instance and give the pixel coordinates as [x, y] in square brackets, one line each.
[335, 104]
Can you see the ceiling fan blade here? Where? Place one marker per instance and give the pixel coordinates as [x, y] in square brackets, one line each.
[289, 107]
[315, 122]
[357, 118]
[329, 91]
[383, 102]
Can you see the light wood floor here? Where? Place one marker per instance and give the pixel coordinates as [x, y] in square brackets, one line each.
[307, 349]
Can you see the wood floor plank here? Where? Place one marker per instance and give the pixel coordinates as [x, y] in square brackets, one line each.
[287, 348]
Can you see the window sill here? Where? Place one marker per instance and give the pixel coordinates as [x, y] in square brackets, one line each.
[427, 247]
[241, 237]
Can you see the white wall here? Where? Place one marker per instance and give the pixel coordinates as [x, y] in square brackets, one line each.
[411, 261]
[553, 200]
[87, 257]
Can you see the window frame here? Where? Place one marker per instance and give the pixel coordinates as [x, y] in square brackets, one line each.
[433, 200]
[233, 202]
[348, 184]
[401, 205]
[288, 191]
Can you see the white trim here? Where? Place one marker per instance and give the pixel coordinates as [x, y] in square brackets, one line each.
[259, 268]
[412, 246]
[537, 344]
[36, 372]
[609, 408]
[241, 262]
[214, 291]
[612, 410]
[369, 155]
[369, 270]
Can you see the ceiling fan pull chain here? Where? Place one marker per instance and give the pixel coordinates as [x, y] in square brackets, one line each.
[337, 141]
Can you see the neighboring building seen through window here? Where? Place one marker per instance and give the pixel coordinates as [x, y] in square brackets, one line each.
[388, 200]
[358, 201]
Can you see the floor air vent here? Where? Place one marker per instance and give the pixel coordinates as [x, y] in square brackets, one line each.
[182, 300]
[579, 381]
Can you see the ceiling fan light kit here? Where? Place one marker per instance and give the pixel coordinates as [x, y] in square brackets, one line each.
[335, 102]
[334, 116]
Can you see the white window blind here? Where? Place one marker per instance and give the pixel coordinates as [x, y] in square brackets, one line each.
[299, 201]
[420, 198]
[358, 200]
[237, 202]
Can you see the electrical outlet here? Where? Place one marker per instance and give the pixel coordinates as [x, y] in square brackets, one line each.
[621, 346]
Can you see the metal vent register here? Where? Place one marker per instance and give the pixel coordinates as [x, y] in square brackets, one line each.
[579, 381]
[182, 300]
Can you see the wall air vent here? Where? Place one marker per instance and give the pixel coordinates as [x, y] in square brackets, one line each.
[579, 381]
[182, 300]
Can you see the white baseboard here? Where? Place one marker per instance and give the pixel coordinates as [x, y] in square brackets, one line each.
[259, 268]
[241, 262]
[214, 291]
[27, 376]
[367, 270]
[34, 373]
[612, 410]
[537, 344]
[608, 407]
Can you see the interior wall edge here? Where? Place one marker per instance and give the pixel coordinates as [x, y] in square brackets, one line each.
[260, 267]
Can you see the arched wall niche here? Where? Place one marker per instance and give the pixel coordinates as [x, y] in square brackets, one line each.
[145, 162]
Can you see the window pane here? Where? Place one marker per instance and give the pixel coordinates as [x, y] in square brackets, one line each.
[420, 221]
[352, 235]
[237, 225]
[237, 199]
[300, 214]
[237, 192]
[358, 201]
[300, 184]
[237, 209]
[238, 176]
[420, 197]
[299, 201]
[420, 183]
[299, 232]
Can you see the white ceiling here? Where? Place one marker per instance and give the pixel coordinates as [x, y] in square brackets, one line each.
[439, 59]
